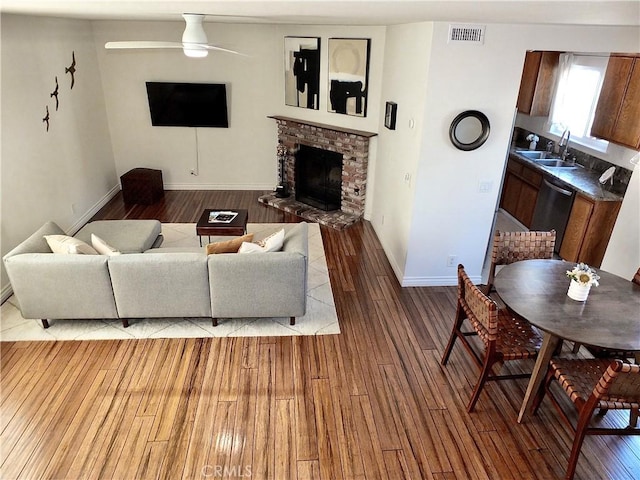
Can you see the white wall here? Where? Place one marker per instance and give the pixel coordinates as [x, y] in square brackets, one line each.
[450, 215]
[66, 173]
[242, 156]
[406, 62]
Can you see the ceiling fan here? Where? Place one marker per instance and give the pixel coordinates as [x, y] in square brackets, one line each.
[194, 40]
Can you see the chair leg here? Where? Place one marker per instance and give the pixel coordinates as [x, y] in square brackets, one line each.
[125, 322]
[214, 321]
[292, 320]
[581, 429]
[633, 418]
[454, 335]
[486, 369]
[45, 323]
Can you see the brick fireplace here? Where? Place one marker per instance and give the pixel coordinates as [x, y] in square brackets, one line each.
[353, 145]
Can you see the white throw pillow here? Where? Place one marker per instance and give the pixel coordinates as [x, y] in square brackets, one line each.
[69, 245]
[248, 247]
[102, 247]
[272, 243]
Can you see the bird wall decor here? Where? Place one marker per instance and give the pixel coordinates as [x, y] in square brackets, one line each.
[46, 118]
[72, 69]
[55, 93]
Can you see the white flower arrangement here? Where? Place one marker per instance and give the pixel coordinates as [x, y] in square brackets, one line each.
[584, 275]
[532, 137]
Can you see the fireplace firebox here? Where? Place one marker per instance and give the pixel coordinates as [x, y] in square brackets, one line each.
[318, 179]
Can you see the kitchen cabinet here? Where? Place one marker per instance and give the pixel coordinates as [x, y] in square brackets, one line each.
[520, 191]
[617, 115]
[588, 230]
[538, 83]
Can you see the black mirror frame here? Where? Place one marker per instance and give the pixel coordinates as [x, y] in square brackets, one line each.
[486, 127]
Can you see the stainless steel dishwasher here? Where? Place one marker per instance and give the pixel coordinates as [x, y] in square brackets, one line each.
[552, 209]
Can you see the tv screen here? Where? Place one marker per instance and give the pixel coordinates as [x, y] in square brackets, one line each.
[188, 104]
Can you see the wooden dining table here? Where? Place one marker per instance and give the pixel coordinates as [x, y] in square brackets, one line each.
[537, 291]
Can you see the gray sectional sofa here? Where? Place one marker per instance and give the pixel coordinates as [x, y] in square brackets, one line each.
[148, 281]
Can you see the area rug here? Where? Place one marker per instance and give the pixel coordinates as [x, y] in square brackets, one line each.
[320, 319]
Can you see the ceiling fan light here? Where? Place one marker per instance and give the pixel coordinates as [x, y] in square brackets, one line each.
[195, 51]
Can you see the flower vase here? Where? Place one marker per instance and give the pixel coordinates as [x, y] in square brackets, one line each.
[578, 291]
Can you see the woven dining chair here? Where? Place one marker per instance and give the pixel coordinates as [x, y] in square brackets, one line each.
[590, 384]
[510, 247]
[504, 336]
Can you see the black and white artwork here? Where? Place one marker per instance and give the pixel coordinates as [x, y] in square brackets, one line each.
[302, 71]
[348, 75]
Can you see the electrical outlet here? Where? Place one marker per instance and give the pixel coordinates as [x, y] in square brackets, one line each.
[451, 260]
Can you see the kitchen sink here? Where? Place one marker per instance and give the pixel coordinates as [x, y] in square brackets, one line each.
[554, 162]
[534, 154]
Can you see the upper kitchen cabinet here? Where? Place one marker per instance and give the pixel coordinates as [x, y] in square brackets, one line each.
[538, 83]
[617, 116]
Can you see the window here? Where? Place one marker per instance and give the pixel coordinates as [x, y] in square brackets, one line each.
[577, 92]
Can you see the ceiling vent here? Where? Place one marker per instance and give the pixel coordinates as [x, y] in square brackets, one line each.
[466, 34]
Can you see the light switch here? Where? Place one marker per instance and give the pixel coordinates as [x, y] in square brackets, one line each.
[485, 187]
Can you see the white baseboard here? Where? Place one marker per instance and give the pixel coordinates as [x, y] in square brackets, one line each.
[447, 281]
[215, 186]
[93, 210]
[6, 292]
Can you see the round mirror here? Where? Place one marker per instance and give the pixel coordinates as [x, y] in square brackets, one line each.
[469, 130]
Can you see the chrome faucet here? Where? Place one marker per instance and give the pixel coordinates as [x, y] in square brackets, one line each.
[563, 144]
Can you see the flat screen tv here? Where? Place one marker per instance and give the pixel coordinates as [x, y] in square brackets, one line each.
[188, 104]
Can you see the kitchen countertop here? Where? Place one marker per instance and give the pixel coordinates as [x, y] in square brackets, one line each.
[581, 179]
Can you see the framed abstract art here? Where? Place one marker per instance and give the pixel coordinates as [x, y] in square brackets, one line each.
[302, 72]
[348, 75]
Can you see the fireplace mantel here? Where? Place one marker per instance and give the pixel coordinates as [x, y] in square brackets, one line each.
[360, 133]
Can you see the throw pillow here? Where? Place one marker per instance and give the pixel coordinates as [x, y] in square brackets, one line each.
[102, 247]
[68, 245]
[248, 247]
[272, 243]
[228, 246]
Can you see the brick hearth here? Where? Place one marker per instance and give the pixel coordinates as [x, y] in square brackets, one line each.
[354, 147]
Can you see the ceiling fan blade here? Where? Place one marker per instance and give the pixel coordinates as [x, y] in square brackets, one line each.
[141, 44]
[194, 40]
[148, 45]
[220, 49]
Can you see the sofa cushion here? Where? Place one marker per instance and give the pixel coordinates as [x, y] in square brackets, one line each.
[228, 246]
[102, 247]
[126, 236]
[69, 245]
[161, 285]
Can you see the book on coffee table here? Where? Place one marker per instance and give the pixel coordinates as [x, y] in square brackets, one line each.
[222, 216]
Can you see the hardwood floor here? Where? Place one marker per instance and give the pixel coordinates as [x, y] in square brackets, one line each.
[370, 403]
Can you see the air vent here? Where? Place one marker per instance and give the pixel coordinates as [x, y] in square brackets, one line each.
[466, 34]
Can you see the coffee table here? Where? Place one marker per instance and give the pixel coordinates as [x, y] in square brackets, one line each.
[238, 226]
